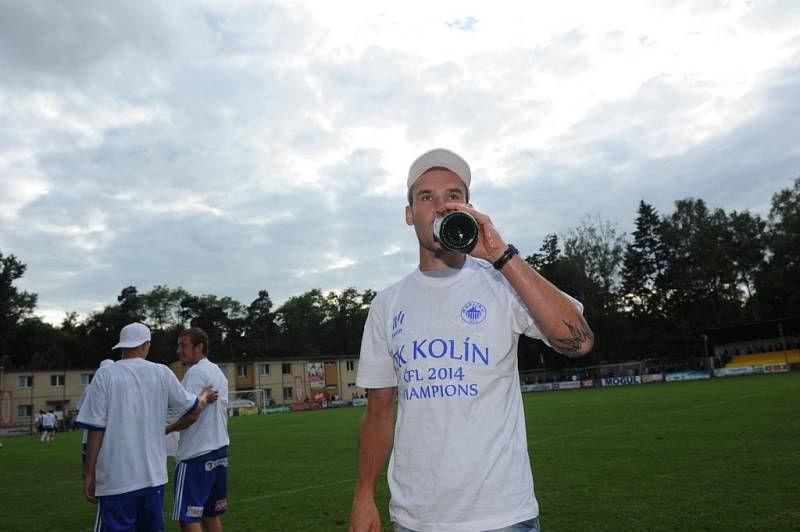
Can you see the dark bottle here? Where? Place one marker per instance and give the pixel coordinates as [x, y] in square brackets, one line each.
[456, 230]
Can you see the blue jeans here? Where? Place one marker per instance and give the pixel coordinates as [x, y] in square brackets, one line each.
[531, 525]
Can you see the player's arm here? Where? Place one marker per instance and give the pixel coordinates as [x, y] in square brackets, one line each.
[555, 315]
[93, 444]
[374, 445]
[184, 421]
[207, 395]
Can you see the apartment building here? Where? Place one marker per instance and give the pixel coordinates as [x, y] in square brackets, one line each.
[23, 393]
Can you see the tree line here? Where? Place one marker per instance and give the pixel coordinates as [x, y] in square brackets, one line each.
[648, 295]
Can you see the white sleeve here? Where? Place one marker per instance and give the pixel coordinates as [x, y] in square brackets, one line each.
[93, 413]
[523, 322]
[180, 400]
[375, 365]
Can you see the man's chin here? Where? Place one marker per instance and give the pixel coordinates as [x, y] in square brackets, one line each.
[442, 251]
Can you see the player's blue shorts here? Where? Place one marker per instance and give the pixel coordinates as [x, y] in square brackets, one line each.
[201, 486]
[136, 511]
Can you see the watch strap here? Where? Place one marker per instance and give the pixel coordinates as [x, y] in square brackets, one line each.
[505, 257]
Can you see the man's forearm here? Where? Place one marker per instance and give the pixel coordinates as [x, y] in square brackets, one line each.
[555, 315]
[184, 422]
[94, 441]
[374, 446]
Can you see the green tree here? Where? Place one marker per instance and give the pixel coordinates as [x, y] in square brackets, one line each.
[39, 345]
[596, 250]
[130, 304]
[99, 333]
[300, 320]
[223, 319]
[643, 264]
[15, 304]
[345, 315]
[779, 280]
[162, 306]
[745, 244]
[699, 281]
[260, 329]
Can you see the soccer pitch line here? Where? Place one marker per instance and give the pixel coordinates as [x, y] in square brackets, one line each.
[640, 419]
[292, 492]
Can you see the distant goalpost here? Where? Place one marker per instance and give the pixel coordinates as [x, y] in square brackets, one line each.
[246, 402]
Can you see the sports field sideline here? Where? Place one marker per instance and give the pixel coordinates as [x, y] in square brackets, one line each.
[698, 455]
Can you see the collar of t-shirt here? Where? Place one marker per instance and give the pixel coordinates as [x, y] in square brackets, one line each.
[444, 276]
[203, 360]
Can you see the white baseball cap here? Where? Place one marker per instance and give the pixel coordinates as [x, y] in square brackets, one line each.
[439, 157]
[133, 335]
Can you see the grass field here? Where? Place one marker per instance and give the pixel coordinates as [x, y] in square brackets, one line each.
[700, 455]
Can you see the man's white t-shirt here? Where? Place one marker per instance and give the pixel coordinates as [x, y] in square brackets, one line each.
[210, 431]
[49, 420]
[129, 400]
[460, 457]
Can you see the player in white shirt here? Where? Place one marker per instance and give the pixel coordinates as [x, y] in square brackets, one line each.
[125, 411]
[443, 341]
[201, 469]
[48, 426]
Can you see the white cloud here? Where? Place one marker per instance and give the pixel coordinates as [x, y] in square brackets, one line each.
[229, 147]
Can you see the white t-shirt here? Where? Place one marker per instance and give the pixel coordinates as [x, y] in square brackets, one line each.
[49, 420]
[460, 457]
[129, 399]
[210, 431]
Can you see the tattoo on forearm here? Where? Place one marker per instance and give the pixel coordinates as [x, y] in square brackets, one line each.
[572, 345]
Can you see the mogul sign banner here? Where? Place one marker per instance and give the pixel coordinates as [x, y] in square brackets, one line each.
[619, 381]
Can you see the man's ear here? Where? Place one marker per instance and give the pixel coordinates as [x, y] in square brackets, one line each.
[409, 215]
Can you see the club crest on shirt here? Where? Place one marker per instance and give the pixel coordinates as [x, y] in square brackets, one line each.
[473, 312]
[397, 323]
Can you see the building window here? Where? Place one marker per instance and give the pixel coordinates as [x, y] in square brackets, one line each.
[25, 381]
[264, 369]
[56, 380]
[267, 393]
[86, 378]
[286, 368]
[242, 370]
[287, 392]
[350, 365]
[24, 410]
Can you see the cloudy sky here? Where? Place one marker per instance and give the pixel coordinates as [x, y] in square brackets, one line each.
[234, 146]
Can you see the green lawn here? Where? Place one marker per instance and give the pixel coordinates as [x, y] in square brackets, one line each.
[700, 455]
